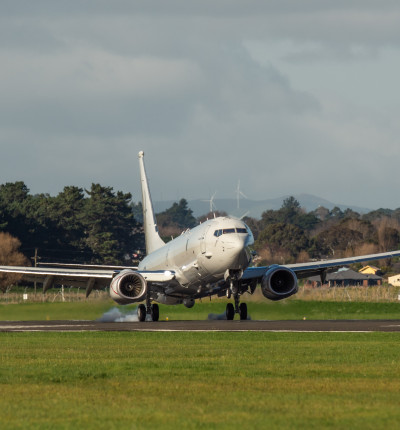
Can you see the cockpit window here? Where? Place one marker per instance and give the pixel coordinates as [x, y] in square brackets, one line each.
[228, 230]
[218, 233]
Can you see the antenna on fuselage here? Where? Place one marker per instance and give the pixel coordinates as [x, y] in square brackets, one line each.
[152, 237]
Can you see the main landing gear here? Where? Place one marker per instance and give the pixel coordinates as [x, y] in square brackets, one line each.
[151, 309]
[239, 308]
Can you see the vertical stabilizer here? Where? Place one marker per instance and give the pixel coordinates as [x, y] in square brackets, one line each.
[153, 239]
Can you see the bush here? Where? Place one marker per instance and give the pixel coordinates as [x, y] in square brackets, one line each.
[10, 256]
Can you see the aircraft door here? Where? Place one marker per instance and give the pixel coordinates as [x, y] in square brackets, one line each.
[203, 241]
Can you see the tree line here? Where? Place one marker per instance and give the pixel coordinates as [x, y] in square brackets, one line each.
[104, 226]
[291, 234]
[77, 225]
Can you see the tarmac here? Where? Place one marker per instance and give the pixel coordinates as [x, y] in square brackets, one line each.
[347, 326]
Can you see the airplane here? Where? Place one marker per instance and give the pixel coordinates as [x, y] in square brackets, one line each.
[211, 259]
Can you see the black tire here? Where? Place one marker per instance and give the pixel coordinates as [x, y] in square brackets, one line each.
[155, 312]
[230, 311]
[243, 311]
[141, 313]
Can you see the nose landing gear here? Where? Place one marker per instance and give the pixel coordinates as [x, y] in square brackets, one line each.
[239, 308]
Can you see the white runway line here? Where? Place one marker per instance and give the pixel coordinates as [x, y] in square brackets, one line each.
[48, 327]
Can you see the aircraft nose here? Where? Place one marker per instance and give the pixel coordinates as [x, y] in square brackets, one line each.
[235, 250]
[237, 241]
[234, 241]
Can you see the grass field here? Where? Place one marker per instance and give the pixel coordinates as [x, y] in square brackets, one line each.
[264, 310]
[199, 380]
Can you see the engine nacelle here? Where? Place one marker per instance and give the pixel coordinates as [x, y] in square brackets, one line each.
[279, 283]
[128, 287]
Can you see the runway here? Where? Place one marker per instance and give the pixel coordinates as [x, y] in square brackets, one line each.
[351, 326]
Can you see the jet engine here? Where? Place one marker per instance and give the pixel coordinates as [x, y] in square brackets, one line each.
[128, 287]
[278, 283]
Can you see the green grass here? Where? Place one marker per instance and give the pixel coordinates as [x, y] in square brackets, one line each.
[199, 380]
[85, 310]
[285, 310]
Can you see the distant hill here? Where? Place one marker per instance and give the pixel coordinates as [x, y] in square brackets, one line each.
[256, 207]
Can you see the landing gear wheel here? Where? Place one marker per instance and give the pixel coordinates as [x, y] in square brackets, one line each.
[243, 311]
[155, 312]
[230, 311]
[141, 313]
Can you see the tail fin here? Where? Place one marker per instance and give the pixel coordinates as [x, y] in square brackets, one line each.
[153, 239]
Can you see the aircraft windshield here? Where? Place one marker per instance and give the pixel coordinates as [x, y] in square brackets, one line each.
[220, 232]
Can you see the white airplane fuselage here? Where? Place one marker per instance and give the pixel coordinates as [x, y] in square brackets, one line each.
[200, 257]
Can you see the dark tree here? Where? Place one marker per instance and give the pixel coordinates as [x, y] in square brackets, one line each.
[179, 215]
[290, 213]
[13, 196]
[281, 236]
[337, 239]
[109, 224]
[71, 227]
[137, 210]
[173, 220]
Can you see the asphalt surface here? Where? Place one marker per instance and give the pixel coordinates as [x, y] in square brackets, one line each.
[356, 326]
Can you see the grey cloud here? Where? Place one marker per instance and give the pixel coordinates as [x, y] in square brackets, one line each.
[332, 23]
[93, 92]
[85, 85]
[176, 7]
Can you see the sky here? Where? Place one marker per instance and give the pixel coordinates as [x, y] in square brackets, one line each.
[288, 97]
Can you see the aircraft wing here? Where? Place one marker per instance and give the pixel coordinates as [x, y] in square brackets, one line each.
[305, 270]
[83, 278]
[49, 277]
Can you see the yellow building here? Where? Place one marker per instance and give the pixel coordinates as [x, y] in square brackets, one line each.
[370, 270]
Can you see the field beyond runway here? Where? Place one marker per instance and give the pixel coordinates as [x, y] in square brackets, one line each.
[354, 326]
[214, 380]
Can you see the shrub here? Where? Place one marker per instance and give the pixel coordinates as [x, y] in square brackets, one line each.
[10, 256]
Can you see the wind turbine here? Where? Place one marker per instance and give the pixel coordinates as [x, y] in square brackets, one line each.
[211, 201]
[238, 194]
[245, 214]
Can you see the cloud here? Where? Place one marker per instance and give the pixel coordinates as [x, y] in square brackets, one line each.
[74, 90]
[212, 91]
